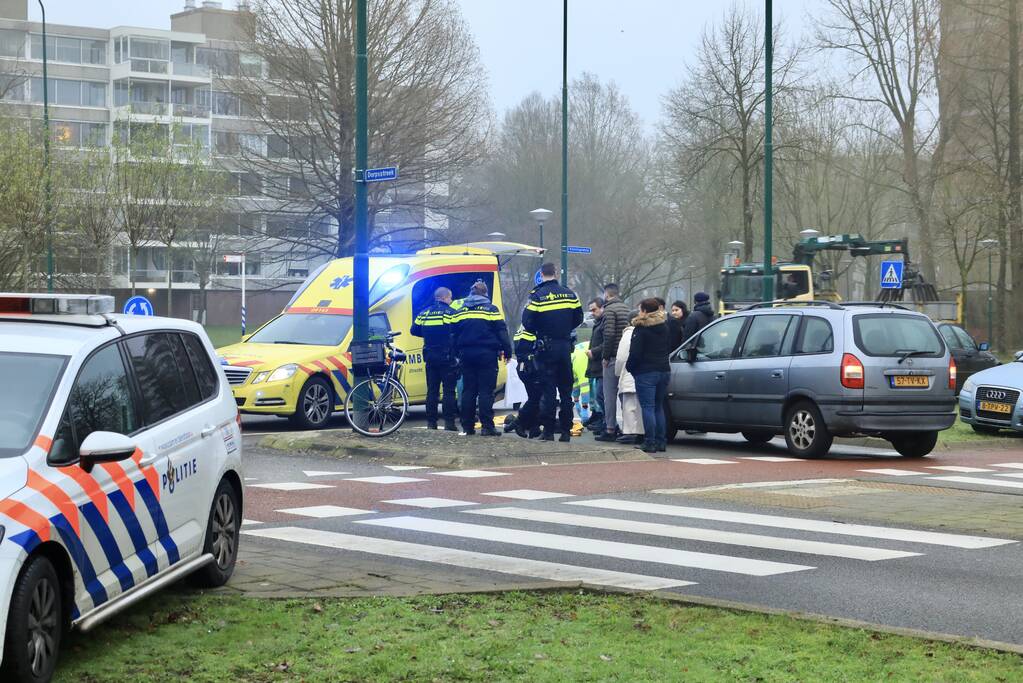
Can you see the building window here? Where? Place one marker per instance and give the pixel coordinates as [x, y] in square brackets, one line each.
[225, 104]
[276, 147]
[12, 43]
[76, 134]
[12, 88]
[70, 93]
[147, 48]
[94, 94]
[94, 51]
[225, 143]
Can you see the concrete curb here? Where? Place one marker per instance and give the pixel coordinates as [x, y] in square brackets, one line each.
[313, 443]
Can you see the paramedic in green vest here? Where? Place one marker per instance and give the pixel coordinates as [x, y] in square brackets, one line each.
[433, 325]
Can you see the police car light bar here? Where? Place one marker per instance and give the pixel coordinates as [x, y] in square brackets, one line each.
[56, 304]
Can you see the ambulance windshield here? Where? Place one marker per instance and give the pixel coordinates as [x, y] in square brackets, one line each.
[313, 329]
[29, 380]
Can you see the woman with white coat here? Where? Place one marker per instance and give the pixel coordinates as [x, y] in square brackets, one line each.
[631, 413]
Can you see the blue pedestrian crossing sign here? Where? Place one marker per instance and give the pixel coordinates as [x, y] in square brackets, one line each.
[891, 274]
[138, 305]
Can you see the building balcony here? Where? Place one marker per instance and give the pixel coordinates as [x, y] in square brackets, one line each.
[190, 70]
[149, 66]
[191, 111]
[146, 108]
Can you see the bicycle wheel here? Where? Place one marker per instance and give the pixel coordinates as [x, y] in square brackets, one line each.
[376, 406]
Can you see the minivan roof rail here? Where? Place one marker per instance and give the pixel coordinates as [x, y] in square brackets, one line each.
[788, 302]
[877, 304]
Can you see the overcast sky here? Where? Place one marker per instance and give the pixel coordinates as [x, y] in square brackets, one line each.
[642, 45]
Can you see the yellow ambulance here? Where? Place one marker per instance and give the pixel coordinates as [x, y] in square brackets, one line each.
[297, 365]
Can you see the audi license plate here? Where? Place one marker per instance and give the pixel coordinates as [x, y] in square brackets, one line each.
[992, 407]
[912, 381]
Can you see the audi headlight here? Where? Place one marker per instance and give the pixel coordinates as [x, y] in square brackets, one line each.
[968, 386]
[260, 377]
[283, 372]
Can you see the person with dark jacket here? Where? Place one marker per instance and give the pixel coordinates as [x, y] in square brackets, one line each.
[676, 322]
[480, 337]
[433, 325]
[527, 423]
[616, 319]
[552, 313]
[594, 366]
[701, 316]
[648, 364]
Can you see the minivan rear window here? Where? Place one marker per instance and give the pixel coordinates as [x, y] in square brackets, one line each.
[895, 335]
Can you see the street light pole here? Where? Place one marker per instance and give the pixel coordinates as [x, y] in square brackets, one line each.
[989, 245]
[47, 181]
[360, 265]
[768, 294]
[564, 147]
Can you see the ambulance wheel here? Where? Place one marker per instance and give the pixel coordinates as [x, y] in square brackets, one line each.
[221, 538]
[315, 404]
[35, 624]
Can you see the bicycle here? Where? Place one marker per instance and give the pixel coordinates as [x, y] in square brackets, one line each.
[377, 405]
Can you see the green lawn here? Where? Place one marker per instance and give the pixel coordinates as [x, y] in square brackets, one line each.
[551, 636]
[222, 335]
[962, 434]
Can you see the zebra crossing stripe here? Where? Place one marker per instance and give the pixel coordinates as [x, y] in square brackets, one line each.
[1005, 484]
[503, 564]
[794, 545]
[798, 523]
[590, 546]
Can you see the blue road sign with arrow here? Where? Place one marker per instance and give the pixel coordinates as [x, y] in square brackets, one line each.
[577, 250]
[138, 305]
[538, 278]
[891, 274]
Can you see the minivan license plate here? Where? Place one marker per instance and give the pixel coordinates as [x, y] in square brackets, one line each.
[990, 407]
[910, 381]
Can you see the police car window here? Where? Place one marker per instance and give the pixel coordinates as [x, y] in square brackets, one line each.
[157, 359]
[765, 336]
[101, 401]
[29, 383]
[205, 375]
[817, 336]
[718, 340]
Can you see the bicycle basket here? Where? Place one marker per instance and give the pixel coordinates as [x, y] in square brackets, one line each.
[368, 357]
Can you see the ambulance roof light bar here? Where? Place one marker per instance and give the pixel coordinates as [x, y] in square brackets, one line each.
[56, 304]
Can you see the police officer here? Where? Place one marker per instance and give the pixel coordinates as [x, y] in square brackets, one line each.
[433, 326]
[528, 422]
[552, 314]
[480, 337]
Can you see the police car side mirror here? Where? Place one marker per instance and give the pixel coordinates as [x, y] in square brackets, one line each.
[105, 447]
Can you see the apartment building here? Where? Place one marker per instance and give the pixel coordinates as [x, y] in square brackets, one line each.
[107, 82]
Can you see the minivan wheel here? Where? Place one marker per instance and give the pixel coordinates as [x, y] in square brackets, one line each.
[758, 438]
[35, 624]
[805, 432]
[315, 404]
[915, 444]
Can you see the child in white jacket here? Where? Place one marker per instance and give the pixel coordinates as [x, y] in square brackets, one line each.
[631, 414]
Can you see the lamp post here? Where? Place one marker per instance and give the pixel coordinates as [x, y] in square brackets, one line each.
[808, 233]
[47, 181]
[541, 216]
[564, 146]
[768, 153]
[735, 248]
[360, 264]
[989, 245]
[496, 236]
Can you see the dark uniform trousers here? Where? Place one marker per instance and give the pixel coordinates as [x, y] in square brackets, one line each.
[479, 380]
[441, 374]
[557, 381]
[529, 412]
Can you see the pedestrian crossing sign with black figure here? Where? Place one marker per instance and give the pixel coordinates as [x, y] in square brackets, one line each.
[891, 274]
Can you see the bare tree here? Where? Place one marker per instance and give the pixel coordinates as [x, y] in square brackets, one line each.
[428, 106]
[891, 47]
[717, 112]
[90, 215]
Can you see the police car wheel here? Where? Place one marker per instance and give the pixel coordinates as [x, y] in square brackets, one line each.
[315, 404]
[222, 531]
[35, 624]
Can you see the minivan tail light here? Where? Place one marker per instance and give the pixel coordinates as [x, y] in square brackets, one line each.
[953, 373]
[852, 372]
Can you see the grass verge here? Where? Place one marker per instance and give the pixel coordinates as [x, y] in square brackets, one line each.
[548, 636]
[223, 335]
[961, 434]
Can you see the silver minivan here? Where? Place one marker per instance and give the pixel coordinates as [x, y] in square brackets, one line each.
[815, 371]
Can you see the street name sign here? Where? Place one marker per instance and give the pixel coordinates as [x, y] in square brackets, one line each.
[577, 250]
[376, 175]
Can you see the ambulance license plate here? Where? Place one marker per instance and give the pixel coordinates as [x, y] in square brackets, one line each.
[991, 407]
[910, 381]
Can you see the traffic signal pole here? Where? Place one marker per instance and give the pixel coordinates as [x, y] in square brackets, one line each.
[564, 147]
[360, 266]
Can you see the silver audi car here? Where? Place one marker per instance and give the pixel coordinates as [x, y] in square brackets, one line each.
[989, 400]
[816, 371]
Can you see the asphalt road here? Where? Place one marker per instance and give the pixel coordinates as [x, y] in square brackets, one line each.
[594, 523]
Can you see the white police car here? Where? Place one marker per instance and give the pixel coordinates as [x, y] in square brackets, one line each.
[120, 454]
